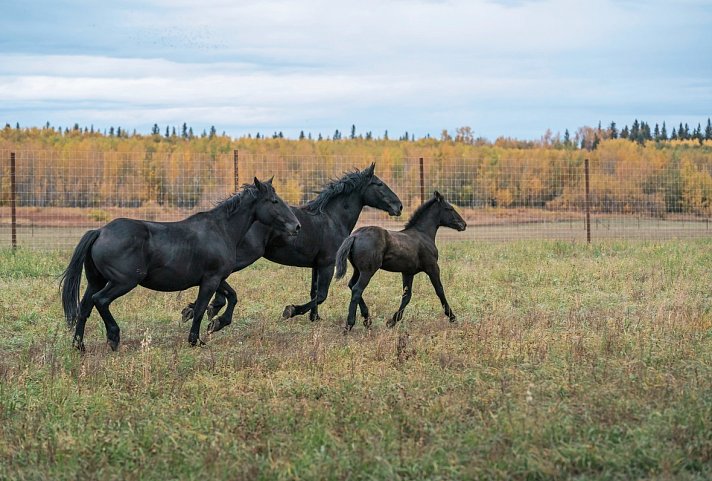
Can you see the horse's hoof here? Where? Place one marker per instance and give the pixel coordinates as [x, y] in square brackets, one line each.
[453, 318]
[114, 345]
[314, 317]
[79, 345]
[367, 322]
[347, 328]
[213, 326]
[288, 312]
[187, 313]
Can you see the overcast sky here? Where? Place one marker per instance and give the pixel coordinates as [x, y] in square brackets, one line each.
[505, 68]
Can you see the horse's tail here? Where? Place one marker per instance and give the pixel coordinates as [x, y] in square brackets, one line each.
[72, 276]
[342, 254]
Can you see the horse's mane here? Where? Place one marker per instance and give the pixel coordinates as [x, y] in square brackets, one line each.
[232, 202]
[415, 217]
[348, 183]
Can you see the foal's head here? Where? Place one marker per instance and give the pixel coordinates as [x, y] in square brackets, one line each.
[378, 195]
[272, 211]
[448, 216]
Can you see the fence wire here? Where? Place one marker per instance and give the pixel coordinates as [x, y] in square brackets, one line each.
[59, 195]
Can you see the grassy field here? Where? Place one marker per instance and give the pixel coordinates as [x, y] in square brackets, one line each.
[567, 361]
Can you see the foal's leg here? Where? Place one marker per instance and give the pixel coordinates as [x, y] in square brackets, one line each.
[322, 290]
[102, 299]
[356, 292]
[314, 313]
[407, 293]
[226, 318]
[205, 292]
[362, 303]
[434, 275]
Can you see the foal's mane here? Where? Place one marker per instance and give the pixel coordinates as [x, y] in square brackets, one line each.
[232, 203]
[415, 217]
[348, 183]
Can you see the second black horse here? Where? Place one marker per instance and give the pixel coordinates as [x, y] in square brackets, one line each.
[326, 221]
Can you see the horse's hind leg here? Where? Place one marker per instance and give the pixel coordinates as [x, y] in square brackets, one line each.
[356, 292]
[85, 308]
[102, 300]
[325, 274]
[224, 291]
[362, 303]
[407, 293]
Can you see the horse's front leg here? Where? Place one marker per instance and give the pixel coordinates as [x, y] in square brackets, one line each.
[205, 292]
[434, 275]
[224, 291]
[325, 274]
[314, 313]
[213, 308]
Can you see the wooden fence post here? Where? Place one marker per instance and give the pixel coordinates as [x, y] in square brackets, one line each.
[236, 170]
[587, 202]
[422, 182]
[13, 202]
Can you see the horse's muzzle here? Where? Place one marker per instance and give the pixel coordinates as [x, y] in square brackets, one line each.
[294, 230]
[396, 210]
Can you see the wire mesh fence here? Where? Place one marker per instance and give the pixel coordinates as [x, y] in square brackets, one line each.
[57, 196]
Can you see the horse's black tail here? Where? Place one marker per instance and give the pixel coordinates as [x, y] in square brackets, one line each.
[342, 254]
[72, 277]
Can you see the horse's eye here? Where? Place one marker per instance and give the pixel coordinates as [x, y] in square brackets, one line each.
[275, 201]
[379, 184]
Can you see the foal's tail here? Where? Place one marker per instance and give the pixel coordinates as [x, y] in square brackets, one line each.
[342, 254]
[72, 276]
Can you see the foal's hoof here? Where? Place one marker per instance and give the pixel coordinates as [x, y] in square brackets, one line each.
[195, 341]
[288, 312]
[114, 345]
[314, 317]
[453, 318]
[187, 313]
[79, 344]
[367, 322]
[391, 322]
[347, 328]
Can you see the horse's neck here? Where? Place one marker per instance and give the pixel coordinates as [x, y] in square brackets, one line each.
[240, 221]
[345, 209]
[428, 223]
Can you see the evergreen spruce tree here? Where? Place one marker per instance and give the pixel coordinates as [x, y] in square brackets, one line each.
[673, 136]
[612, 131]
[168, 132]
[708, 130]
[625, 133]
[301, 135]
[353, 131]
[155, 130]
[656, 132]
[184, 131]
[385, 135]
[663, 132]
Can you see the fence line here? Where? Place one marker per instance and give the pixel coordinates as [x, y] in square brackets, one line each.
[48, 199]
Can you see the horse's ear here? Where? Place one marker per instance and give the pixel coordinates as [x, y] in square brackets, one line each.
[370, 169]
[270, 180]
[438, 196]
[258, 184]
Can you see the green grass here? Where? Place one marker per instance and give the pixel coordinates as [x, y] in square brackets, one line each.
[567, 361]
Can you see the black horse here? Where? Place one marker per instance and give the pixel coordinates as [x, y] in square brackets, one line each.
[166, 256]
[326, 221]
[409, 251]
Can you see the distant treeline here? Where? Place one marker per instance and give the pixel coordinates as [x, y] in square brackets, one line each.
[631, 171]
